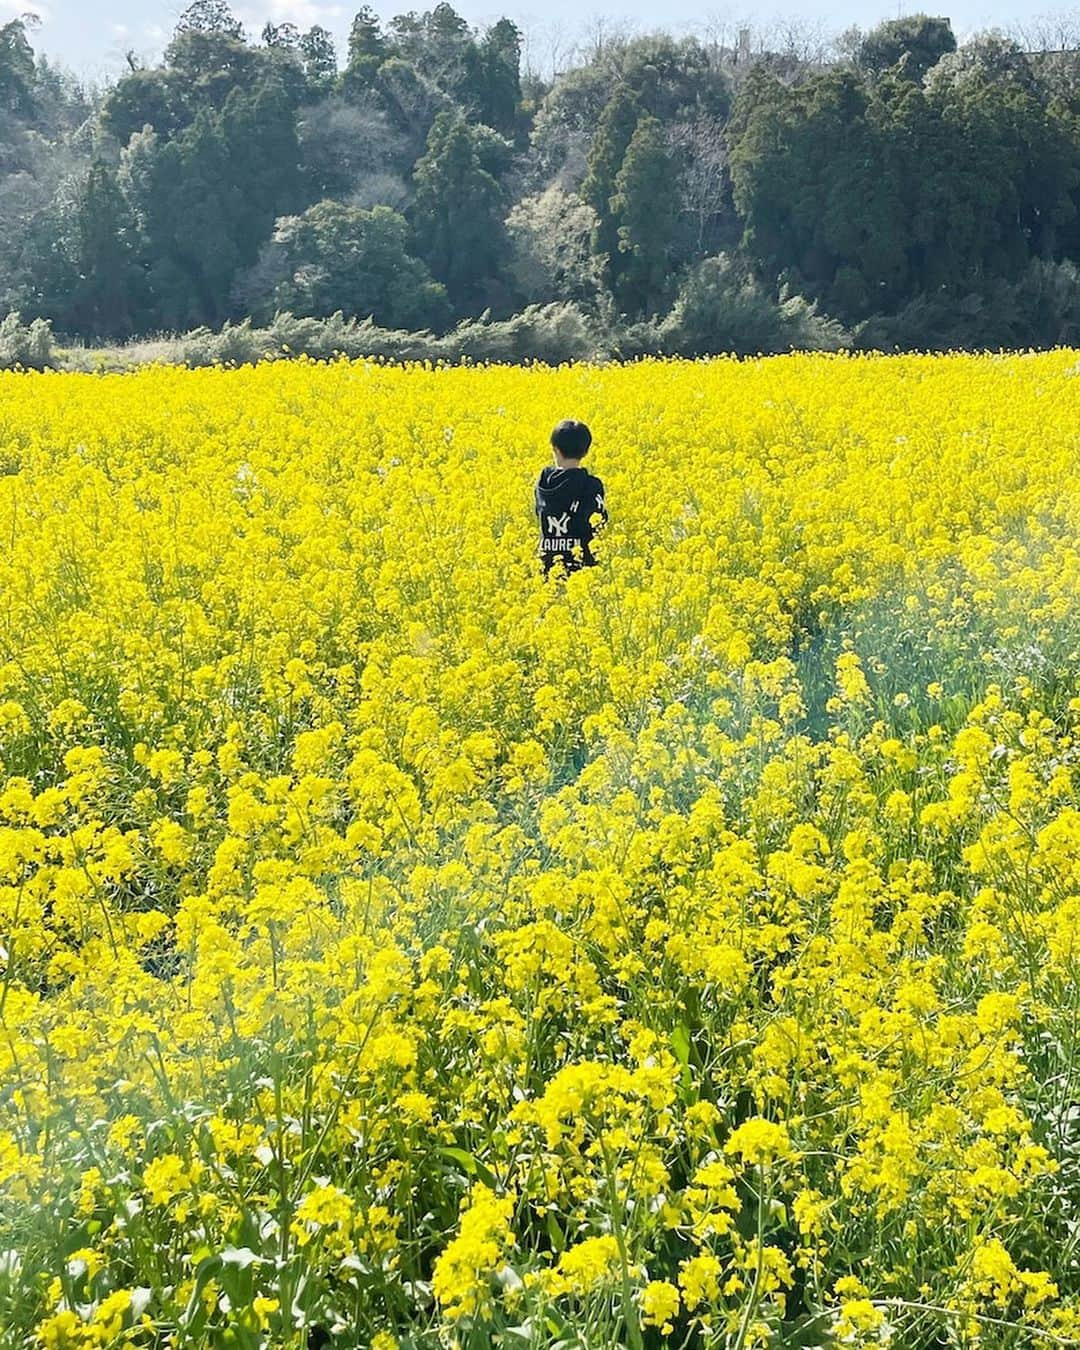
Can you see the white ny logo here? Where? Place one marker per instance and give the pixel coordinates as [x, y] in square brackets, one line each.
[560, 524]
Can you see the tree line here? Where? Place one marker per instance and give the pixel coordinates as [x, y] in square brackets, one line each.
[895, 191]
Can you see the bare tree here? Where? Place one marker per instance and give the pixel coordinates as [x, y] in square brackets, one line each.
[1055, 32]
[806, 41]
[602, 32]
[699, 148]
[546, 48]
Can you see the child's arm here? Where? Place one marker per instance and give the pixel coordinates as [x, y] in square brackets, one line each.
[599, 505]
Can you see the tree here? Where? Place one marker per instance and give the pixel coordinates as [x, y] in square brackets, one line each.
[259, 134]
[672, 80]
[186, 207]
[482, 76]
[708, 218]
[147, 98]
[209, 53]
[366, 39]
[313, 53]
[205, 201]
[107, 281]
[436, 43]
[985, 60]
[618, 122]
[551, 248]
[210, 16]
[500, 51]
[204, 236]
[319, 55]
[282, 36]
[645, 207]
[338, 257]
[820, 184]
[348, 148]
[914, 43]
[212, 65]
[62, 103]
[368, 49]
[16, 69]
[866, 192]
[411, 104]
[1014, 156]
[457, 211]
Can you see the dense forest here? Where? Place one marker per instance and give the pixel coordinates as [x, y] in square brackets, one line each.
[890, 190]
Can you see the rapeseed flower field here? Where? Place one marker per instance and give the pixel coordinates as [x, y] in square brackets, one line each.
[400, 950]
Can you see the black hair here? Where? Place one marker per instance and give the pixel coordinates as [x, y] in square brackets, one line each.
[572, 439]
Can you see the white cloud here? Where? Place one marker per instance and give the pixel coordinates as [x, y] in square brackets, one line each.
[120, 30]
[303, 13]
[16, 9]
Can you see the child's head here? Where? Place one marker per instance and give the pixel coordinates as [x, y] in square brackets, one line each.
[571, 440]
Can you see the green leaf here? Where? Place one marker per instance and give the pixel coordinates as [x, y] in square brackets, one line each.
[195, 1313]
[471, 1165]
[555, 1233]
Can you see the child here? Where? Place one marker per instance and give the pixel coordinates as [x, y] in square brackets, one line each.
[567, 497]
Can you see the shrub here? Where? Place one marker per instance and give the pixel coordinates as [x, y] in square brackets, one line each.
[551, 333]
[722, 307]
[1040, 309]
[29, 346]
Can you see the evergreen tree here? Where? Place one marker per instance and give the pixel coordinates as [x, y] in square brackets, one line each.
[16, 69]
[209, 54]
[186, 207]
[147, 98]
[817, 202]
[151, 179]
[457, 211]
[205, 241]
[105, 294]
[443, 50]
[500, 54]
[616, 128]
[912, 44]
[645, 207]
[368, 49]
[210, 16]
[259, 133]
[319, 55]
[367, 41]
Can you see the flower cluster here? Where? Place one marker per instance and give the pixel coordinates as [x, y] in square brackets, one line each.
[396, 946]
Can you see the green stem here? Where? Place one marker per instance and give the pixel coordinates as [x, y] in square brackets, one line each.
[755, 1290]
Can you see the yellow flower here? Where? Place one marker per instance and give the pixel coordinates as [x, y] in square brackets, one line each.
[699, 1280]
[463, 1272]
[325, 1207]
[858, 1317]
[167, 1177]
[660, 1306]
[585, 1266]
[759, 1141]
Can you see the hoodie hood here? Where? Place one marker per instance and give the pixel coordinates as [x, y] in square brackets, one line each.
[559, 490]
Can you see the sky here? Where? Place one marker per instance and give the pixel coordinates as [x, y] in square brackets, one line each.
[91, 36]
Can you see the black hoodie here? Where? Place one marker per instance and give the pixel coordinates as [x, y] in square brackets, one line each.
[565, 501]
